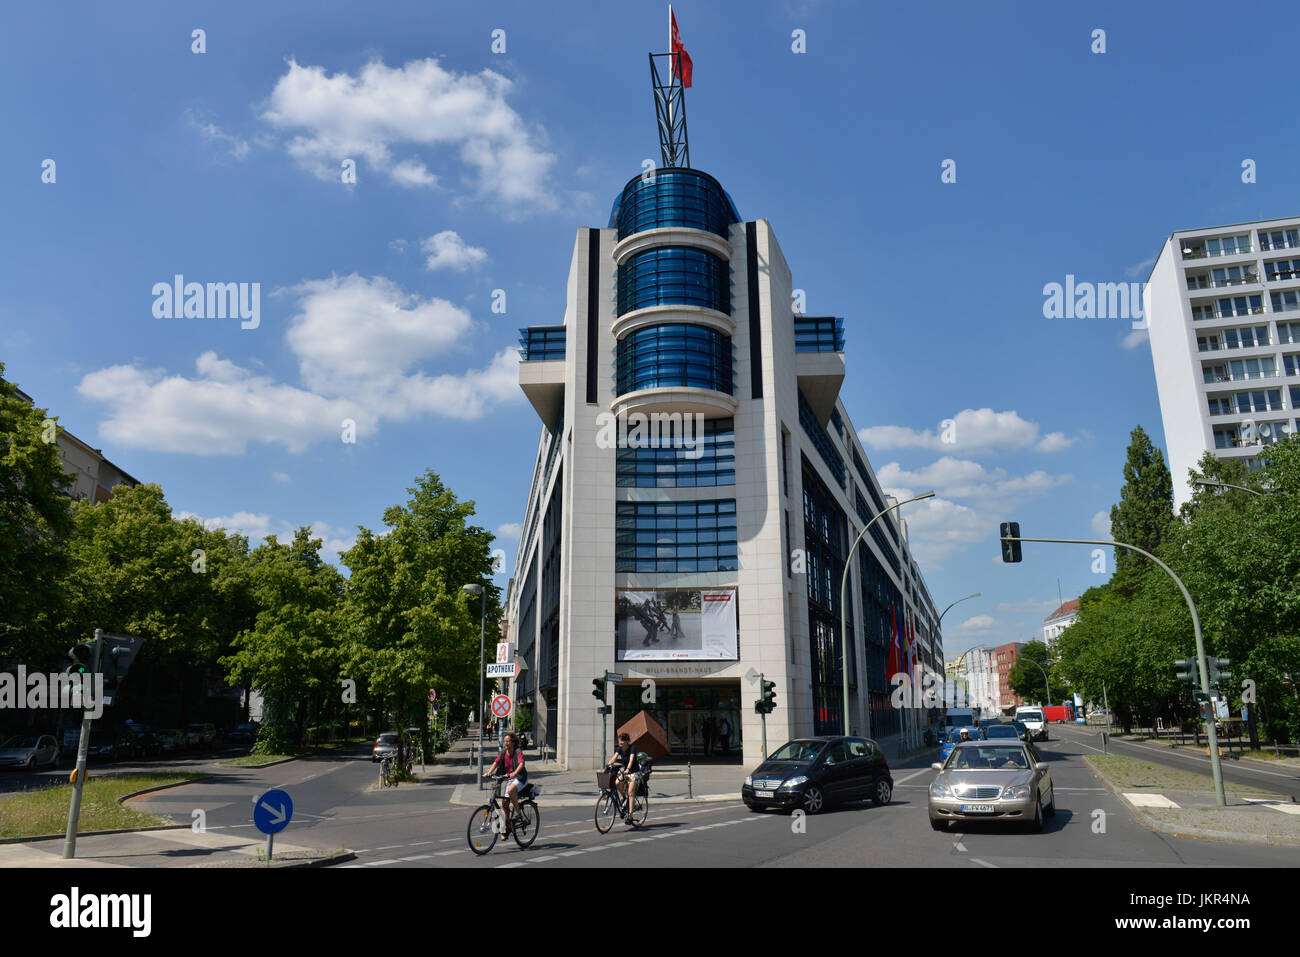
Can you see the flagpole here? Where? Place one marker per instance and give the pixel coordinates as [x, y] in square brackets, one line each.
[672, 67]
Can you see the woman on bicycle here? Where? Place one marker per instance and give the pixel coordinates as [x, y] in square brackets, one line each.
[511, 761]
[624, 759]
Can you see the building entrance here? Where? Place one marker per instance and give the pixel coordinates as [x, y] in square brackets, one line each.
[702, 721]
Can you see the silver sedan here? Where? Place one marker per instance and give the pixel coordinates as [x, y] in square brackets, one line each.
[1002, 780]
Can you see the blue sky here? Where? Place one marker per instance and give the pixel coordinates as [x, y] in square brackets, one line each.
[474, 169]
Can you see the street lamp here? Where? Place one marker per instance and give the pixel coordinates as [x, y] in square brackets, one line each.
[1045, 682]
[1215, 483]
[957, 602]
[482, 623]
[844, 608]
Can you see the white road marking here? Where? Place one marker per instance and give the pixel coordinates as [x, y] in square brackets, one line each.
[1275, 805]
[908, 777]
[1148, 800]
[976, 860]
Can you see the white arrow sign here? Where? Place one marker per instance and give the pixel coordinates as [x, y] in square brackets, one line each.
[277, 817]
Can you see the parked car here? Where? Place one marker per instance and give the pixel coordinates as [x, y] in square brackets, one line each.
[103, 745]
[29, 751]
[244, 733]
[172, 739]
[207, 733]
[1002, 780]
[812, 773]
[953, 737]
[385, 744]
[138, 741]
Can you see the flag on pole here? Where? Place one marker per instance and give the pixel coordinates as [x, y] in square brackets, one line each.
[894, 656]
[675, 46]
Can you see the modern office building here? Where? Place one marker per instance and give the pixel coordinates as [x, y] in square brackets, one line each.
[1055, 623]
[1223, 309]
[696, 488]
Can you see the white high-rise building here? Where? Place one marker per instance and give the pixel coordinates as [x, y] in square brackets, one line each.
[1223, 309]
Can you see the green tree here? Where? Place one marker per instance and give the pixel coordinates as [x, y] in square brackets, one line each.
[1145, 509]
[410, 626]
[293, 653]
[35, 523]
[1026, 677]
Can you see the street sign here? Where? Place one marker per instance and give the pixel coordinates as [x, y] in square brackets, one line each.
[504, 652]
[273, 811]
[613, 677]
[501, 706]
[501, 670]
[433, 695]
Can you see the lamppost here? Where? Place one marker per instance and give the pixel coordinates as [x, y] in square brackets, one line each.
[1045, 682]
[939, 624]
[1215, 483]
[844, 608]
[482, 624]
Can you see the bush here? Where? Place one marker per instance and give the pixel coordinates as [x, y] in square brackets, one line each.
[523, 720]
[274, 739]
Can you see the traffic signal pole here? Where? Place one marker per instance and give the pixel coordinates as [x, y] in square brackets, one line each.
[1216, 766]
[83, 750]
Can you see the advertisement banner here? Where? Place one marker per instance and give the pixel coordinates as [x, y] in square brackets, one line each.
[676, 624]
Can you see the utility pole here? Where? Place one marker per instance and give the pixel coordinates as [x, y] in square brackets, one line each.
[83, 749]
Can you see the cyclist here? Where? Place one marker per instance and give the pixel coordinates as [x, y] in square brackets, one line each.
[511, 761]
[624, 759]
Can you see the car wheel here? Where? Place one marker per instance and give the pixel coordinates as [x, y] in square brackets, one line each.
[884, 791]
[814, 799]
[1050, 810]
[938, 825]
[1038, 815]
[755, 808]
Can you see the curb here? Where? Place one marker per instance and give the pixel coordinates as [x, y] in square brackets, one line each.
[159, 787]
[1175, 830]
[258, 767]
[337, 858]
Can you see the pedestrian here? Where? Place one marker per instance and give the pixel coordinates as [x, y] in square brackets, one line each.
[710, 729]
[724, 735]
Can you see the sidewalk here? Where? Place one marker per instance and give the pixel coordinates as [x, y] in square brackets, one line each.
[181, 847]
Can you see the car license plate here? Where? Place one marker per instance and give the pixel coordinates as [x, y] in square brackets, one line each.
[977, 809]
[764, 794]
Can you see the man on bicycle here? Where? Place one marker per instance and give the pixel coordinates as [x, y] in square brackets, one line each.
[624, 759]
[511, 761]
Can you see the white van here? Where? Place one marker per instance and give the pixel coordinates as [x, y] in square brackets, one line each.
[960, 718]
[1031, 716]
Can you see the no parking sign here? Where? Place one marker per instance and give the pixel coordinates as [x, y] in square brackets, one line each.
[501, 706]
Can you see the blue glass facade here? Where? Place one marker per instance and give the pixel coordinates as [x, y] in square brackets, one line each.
[672, 276]
[675, 355]
[542, 342]
[818, 334]
[676, 536]
[673, 197]
[712, 462]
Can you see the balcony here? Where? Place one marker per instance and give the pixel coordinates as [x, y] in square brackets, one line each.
[818, 334]
[541, 369]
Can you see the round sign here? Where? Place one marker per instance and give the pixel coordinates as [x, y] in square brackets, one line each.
[433, 695]
[501, 706]
[273, 811]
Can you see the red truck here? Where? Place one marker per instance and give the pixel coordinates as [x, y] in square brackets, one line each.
[1059, 712]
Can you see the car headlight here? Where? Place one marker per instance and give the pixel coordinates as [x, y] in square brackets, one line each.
[749, 780]
[1017, 793]
[940, 790]
[794, 782]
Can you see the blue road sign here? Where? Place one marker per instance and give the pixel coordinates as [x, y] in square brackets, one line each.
[272, 812]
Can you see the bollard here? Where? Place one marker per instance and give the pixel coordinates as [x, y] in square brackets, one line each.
[690, 789]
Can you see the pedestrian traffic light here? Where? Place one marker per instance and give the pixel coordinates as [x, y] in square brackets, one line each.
[79, 660]
[1010, 533]
[598, 689]
[1185, 670]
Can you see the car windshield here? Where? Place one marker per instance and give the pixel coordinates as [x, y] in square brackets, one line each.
[388, 739]
[988, 759]
[17, 742]
[1002, 731]
[798, 751]
[1030, 716]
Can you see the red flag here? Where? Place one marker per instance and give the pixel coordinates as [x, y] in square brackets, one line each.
[675, 45]
[894, 656]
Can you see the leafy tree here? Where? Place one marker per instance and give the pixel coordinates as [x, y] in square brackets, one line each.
[1026, 677]
[293, 652]
[1145, 510]
[35, 522]
[410, 626]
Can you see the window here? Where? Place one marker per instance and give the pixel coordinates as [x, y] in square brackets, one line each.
[1288, 332]
[818, 334]
[673, 197]
[675, 536]
[1198, 281]
[694, 461]
[1279, 239]
[675, 355]
[1228, 245]
[1291, 362]
[674, 275]
[785, 460]
[541, 342]
[1241, 306]
[1208, 343]
[821, 440]
[1286, 301]
[859, 748]
[1282, 269]
[1233, 275]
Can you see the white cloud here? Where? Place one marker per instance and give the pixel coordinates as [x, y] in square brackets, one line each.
[418, 105]
[1027, 606]
[936, 527]
[1136, 338]
[972, 431]
[233, 145]
[448, 251]
[256, 526]
[280, 476]
[398, 245]
[962, 478]
[1132, 272]
[510, 530]
[1101, 525]
[977, 623]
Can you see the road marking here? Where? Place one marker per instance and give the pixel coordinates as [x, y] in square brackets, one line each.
[548, 857]
[908, 777]
[976, 860]
[1148, 800]
[380, 863]
[1275, 805]
[513, 864]
[572, 853]
[444, 853]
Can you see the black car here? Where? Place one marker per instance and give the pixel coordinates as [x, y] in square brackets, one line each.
[1003, 731]
[812, 773]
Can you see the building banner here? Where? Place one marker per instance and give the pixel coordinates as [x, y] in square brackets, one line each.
[676, 624]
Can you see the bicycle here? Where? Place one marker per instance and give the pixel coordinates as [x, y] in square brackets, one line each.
[611, 802]
[489, 821]
[386, 776]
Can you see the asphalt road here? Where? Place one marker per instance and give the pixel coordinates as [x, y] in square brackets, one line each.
[414, 826]
[58, 774]
[1282, 780]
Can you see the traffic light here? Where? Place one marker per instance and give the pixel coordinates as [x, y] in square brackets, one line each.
[769, 696]
[1219, 670]
[598, 689]
[1010, 549]
[1185, 670]
[80, 658]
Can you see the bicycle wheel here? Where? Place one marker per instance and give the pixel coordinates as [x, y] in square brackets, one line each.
[385, 774]
[527, 824]
[606, 811]
[485, 827]
[640, 809]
